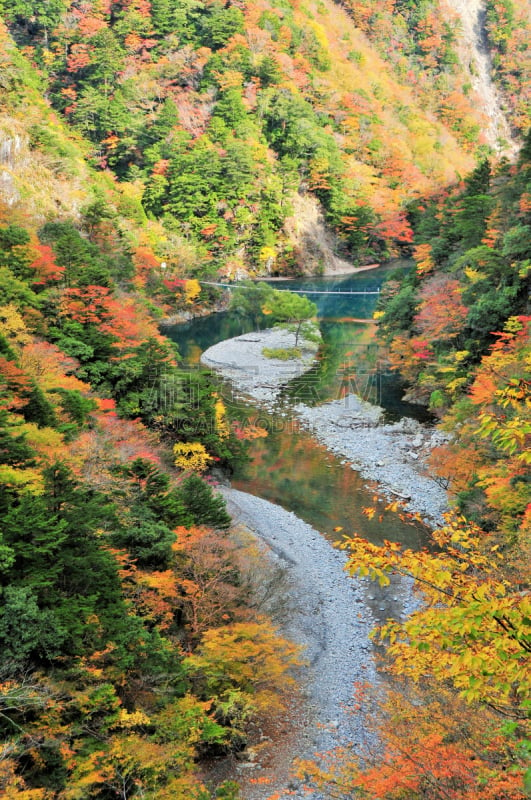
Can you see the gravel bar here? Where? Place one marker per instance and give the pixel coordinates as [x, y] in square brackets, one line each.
[327, 613]
[392, 454]
[330, 613]
[242, 362]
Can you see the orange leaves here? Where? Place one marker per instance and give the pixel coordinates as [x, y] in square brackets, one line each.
[14, 384]
[210, 588]
[46, 270]
[249, 431]
[154, 595]
[491, 238]
[456, 465]
[483, 389]
[422, 254]
[409, 355]
[396, 227]
[88, 26]
[79, 57]
[50, 367]
[88, 305]
[120, 317]
[209, 230]
[442, 314]
[144, 259]
[106, 404]
[501, 395]
[437, 749]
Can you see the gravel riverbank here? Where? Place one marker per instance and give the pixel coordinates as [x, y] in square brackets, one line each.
[392, 454]
[241, 361]
[328, 613]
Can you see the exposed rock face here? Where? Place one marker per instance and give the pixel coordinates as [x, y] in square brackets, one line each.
[13, 148]
[41, 180]
[476, 58]
[310, 236]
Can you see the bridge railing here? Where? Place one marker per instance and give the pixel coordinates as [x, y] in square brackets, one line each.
[297, 291]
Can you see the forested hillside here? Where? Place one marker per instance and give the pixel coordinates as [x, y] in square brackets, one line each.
[207, 121]
[457, 330]
[145, 145]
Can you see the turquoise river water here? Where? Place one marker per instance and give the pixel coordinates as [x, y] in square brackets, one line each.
[289, 467]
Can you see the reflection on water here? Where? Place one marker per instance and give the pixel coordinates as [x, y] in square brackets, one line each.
[348, 356]
[289, 467]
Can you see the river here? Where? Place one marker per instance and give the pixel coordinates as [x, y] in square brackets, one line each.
[289, 467]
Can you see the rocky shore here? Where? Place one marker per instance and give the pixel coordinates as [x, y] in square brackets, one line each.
[325, 612]
[392, 454]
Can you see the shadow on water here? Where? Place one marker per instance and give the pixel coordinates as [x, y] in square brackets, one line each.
[289, 467]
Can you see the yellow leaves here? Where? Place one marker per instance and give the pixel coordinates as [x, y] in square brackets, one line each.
[127, 720]
[246, 656]
[320, 33]
[474, 275]
[30, 480]
[423, 258]
[192, 290]
[47, 442]
[394, 506]
[509, 435]
[267, 255]
[220, 416]
[369, 512]
[456, 385]
[473, 628]
[229, 79]
[191, 456]
[12, 326]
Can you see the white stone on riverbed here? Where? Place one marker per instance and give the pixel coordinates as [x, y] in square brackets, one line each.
[324, 616]
[242, 361]
[380, 452]
[351, 428]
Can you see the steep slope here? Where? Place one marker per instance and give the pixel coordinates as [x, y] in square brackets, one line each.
[457, 330]
[214, 115]
[141, 142]
[476, 53]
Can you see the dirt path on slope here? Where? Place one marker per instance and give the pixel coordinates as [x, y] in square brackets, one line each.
[476, 58]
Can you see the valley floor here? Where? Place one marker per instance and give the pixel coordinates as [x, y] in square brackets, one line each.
[392, 454]
[329, 614]
[324, 609]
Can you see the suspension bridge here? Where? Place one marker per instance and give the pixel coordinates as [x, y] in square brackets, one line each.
[296, 291]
